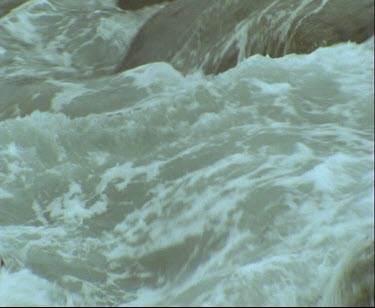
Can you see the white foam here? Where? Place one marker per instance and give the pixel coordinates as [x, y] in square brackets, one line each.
[148, 74]
[331, 174]
[67, 95]
[23, 288]
[247, 188]
[71, 207]
[272, 89]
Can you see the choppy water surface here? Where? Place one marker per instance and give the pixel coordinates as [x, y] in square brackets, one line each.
[253, 187]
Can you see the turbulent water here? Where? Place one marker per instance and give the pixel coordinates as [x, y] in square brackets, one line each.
[148, 187]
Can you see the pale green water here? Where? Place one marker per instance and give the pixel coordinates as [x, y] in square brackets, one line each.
[254, 187]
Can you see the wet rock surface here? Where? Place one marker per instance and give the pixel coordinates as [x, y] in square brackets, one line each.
[214, 35]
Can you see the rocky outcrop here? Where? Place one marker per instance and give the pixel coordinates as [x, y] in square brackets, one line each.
[352, 284]
[214, 35]
[131, 5]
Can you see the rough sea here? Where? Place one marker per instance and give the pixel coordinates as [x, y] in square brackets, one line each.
[254, 187]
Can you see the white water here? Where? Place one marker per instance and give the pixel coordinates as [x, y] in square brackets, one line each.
[253, 187]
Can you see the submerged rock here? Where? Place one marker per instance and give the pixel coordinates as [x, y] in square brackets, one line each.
[214, 35]
[7, 5]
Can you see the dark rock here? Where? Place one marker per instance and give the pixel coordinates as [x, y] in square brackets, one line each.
[214, 35]
[7, 5]
[131, 5]
[2, 263]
